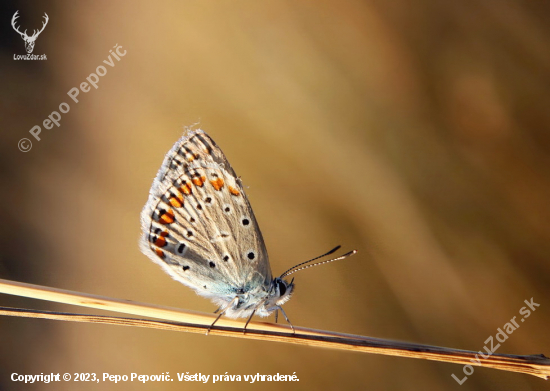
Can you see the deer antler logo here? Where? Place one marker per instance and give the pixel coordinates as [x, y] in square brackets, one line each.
[29, 41]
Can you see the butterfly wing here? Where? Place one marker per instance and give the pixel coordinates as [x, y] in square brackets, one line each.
[198, 224]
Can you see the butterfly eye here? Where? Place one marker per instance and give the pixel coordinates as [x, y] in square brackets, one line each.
[282, 287]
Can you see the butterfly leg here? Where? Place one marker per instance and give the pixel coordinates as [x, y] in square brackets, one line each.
[286, 317]
[248, 321]
[234, 301]
[213, 323]
[276, 315]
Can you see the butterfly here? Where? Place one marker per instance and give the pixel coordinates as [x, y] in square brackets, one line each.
[198, 225]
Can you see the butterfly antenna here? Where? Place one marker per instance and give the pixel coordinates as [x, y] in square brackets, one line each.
[296, 268]
[319, 263]
[311, 260]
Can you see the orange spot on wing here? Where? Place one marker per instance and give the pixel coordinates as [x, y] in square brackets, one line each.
[176, 201]
[199, 181]
[159, 252]
[218, 183]
[234, 191]
[186, 188]
[167, 217]
[161, 242]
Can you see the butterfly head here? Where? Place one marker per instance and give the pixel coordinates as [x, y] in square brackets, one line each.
[258, 300]
[280, 292]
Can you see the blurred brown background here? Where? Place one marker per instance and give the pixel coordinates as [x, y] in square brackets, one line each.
[416, 132]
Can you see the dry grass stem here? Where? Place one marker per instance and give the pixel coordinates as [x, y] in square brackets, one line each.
[194, 322]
